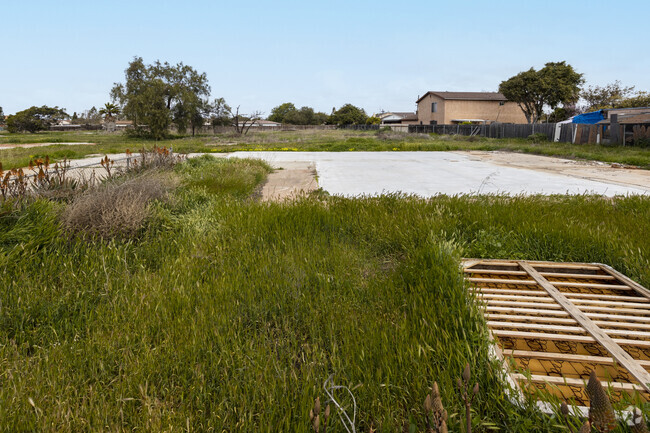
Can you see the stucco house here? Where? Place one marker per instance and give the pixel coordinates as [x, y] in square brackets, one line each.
[398, 118]
[448, 108]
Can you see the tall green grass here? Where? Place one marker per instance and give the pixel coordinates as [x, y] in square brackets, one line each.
[229, 314]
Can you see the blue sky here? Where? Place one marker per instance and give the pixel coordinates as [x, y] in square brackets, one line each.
[259, 54]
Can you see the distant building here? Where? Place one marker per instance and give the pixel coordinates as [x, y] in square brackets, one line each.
[398, 118]
[447, 108]
[116, 125]
[262, 124]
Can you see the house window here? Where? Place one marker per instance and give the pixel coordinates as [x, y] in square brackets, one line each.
[434, 107]
[433, 122]
[502, 103]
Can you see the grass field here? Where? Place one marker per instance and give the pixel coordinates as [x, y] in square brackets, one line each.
[227, 314]
[308, 140]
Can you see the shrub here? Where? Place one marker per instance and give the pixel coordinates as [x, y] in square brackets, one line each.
[641, 136]
[117, 209]
[537, 138]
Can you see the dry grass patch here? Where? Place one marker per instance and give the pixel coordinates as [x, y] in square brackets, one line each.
[118, 208]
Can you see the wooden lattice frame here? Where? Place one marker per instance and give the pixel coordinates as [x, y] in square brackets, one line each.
[555, 322]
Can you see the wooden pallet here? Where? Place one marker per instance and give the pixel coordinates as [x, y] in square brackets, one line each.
[555, 322]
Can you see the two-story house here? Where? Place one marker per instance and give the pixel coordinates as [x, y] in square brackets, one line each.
[447, 108]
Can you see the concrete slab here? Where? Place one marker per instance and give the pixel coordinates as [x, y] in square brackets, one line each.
[431, 173]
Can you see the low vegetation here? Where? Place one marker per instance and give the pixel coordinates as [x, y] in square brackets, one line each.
[223, 313]
[305, 140]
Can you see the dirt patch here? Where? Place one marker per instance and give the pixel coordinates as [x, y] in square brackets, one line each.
[27, 145]
[290, 180]
[590, 170]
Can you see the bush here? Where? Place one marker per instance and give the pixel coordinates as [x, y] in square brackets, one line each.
[34, 119]
[116, 209]
[537, 138]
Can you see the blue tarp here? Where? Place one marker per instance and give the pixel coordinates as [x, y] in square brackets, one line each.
[589, 118]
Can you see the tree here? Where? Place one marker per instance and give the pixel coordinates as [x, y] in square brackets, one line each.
[35, 119]
[609, 96]
[243, 122]
[373, 120]
[280, 113]
[554, 85]
[288, 113]
[348, 115]
[109, 111]
[641, 99]
[219, 113]
[204, 110]
[2, 117]
[155, 95]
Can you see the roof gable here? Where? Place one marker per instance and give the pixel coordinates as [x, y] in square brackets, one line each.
[466, 96]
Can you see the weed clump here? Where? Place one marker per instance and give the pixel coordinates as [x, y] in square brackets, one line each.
[537, 138]
[116, 209]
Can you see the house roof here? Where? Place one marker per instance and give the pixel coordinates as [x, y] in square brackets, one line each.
[466, 96]
[402, 113]
[630, 119]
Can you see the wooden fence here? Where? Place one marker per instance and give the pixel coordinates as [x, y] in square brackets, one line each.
[494, 130]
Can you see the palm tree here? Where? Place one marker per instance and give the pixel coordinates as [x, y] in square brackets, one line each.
[109, 110]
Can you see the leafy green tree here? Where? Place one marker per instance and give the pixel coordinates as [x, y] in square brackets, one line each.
[2, 117]
[641, 99]
[609, 96]
[219, 113]
[288, 113]
[35, 119]
[109, 111]
[554, 85]
[320, 118]
[348, 115]
[373, 120]
[155, 95]
[279, 114]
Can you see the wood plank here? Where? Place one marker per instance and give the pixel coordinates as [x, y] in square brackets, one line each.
[612, 297]
[591, 285]
[556, 380]
[497, 262]
[501, 281]
[562, 328]
[609, 303]
[536, 326]
[621, 356]
[556, 283]
[538, 305]
[567, 321]
[571, 357]
[534, 319]
[611, 316]
[524, 335]
[544, 336]
[638, 288]
[494, 271]
[536, 263]
[570, 265]
[577, 276]
[495, 291]
[606, 316]
[545, 305]
[613, 310]
[515, 310]
[470, 263]
[544, 299]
